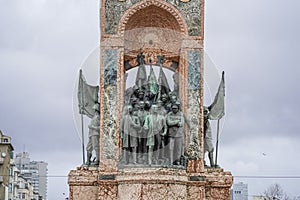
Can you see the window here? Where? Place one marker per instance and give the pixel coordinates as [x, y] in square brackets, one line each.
[10, 188]
[22, 196]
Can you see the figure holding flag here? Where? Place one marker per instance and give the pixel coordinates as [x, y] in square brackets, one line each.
[214, 112]
[208, 144]
[152, 86]
[141, 77]
[163, 85]
[89, 106]
[94, 133]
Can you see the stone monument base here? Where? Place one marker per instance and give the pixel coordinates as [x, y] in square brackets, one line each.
[148, 183]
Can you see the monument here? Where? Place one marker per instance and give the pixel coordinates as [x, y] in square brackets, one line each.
[151, 127]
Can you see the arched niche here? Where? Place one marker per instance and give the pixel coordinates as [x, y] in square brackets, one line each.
[154, 28]
[159, 14]
[159, 34]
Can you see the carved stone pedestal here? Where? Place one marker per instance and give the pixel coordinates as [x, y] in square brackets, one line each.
[218, 184]
[149, 183]
[83, 183]
[152, 183]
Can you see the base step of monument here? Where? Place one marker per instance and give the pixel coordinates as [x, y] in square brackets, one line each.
[149, 183]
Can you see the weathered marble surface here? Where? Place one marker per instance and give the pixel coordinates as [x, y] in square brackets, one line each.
[108, 190]
[152, 174]
[152, 191]
[194, 78]
[84, 192]
[194, 62]
[194, 132]
[83, 183]
[218, 184]
[196, 191]
[191, 11]
[149, 183]
[114, 10]
[110, 67]
[110, 135]
[110, 103]
[83, 175]
[165, 184]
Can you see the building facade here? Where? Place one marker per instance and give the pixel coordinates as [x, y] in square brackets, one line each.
[33, 171]
[24, 190]
[19, 187]
[240, 191]
[6, 155]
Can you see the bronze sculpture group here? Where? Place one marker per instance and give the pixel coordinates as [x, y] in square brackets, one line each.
[152, 125]
[151, 134]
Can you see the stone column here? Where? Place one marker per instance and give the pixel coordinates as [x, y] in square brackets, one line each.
[194, 110]
[108, 118]
[111, 101]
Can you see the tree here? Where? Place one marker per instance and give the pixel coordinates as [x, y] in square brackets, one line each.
[275, 192]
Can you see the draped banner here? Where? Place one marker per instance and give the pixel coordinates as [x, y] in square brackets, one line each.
[217, 108]
[87, 96]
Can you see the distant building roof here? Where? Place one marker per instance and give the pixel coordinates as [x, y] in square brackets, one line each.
[5, 140]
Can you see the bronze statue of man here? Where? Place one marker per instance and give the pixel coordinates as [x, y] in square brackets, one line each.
[175, 122]
[141, 76]
[142, 137]
[156, 127]
[130, 128]
[94, 132]
[208, 145]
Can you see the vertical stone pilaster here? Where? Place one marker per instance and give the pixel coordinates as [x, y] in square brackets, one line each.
[108, 101]
[121, 82]
[194, 64]
[194, 88]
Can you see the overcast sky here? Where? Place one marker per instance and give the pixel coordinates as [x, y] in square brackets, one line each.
[44, 43]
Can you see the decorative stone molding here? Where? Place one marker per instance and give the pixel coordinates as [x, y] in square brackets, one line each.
[173, 17]
[149, 183]
[83, 176]
[191, 13]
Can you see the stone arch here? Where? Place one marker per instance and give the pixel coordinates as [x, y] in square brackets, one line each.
[166, 16]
